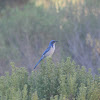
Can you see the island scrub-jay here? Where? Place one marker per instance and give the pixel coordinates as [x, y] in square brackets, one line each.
[48, 52]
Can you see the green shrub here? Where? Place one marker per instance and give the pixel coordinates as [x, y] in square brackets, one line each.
[63, 81]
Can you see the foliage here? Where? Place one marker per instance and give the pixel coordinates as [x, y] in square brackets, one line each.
[62, 81]
[25, 30]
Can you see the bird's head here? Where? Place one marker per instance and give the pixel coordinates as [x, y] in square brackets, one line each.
[52, 42]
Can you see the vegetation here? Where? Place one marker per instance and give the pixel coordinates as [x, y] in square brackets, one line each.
[27, 26]
[61, 81]
[26, 29]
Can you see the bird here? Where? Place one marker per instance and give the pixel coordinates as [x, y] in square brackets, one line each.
[48, 52]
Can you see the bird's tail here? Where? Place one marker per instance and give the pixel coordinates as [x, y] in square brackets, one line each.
[38, 62]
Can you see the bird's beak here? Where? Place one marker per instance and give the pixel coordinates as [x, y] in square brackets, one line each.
[56, 41]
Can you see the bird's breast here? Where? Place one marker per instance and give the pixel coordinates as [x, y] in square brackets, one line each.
[51, 51]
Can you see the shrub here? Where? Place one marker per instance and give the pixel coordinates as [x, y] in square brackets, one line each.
[62, 81]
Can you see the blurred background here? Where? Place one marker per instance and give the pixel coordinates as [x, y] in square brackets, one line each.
[27, 26]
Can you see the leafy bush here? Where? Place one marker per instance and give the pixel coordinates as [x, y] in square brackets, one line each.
[61, 81]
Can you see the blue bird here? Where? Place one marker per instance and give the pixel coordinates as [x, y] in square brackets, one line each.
[48, 52]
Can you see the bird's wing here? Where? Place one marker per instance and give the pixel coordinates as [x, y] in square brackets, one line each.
[38, 62]
[43, 55]
[46, 51]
